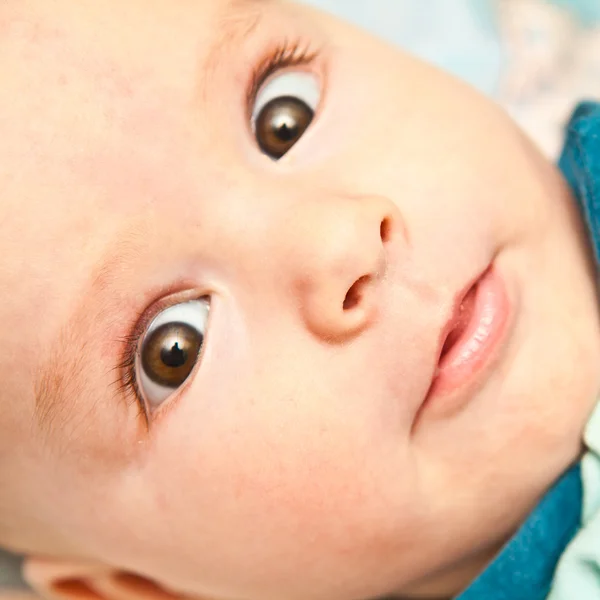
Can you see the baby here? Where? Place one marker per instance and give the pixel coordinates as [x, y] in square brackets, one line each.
[287, 314]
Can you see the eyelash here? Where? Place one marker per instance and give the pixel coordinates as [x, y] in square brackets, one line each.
[127, 382]
[282, 55]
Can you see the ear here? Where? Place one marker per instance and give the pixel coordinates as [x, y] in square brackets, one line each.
[17, 595]
[70, 580]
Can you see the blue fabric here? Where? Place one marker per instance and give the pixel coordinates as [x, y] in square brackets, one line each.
[580, 162]
[524, 569]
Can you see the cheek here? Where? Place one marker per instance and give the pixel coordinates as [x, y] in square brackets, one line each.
[443, 162]
[274, 442]
[276, 458]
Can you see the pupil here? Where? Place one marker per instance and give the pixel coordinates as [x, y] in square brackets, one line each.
[173, 357]
[285, 130]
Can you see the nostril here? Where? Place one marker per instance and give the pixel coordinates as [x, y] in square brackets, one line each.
[354, 295]
[385, 229]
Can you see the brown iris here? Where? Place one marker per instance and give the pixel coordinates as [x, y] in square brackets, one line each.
[170, 353]
[281, 123]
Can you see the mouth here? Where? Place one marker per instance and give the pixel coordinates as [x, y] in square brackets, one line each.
[470, 340]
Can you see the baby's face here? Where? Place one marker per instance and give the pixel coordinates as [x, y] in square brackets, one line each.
[236, 239]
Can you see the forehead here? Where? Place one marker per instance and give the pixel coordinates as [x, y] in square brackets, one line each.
[124, 24]
[88, 84]
[95, 120]
[116, 45]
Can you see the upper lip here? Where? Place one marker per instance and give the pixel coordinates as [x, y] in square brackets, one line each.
[448, 327]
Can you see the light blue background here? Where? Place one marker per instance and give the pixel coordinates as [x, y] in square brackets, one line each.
[461, 36]
[458, 35]
[587, 10]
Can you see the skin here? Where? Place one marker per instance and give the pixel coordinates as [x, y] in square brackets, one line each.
[291, 464]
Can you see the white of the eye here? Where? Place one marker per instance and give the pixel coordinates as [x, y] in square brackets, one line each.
[301, 85]
[194, 314]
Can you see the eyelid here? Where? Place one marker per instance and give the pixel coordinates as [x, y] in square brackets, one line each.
[281, 54]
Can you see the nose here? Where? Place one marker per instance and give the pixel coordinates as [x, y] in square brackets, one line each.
[341, 250]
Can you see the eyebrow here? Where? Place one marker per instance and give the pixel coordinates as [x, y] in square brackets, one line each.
[237, 20]
[239, 17]
[60, 381]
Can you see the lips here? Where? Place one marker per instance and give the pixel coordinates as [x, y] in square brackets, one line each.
[471, 338]
[461, 317]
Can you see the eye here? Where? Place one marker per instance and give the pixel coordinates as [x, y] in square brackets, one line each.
[170, 350]
[283, 110]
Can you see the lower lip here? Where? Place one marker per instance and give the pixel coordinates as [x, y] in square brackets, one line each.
[464, 366]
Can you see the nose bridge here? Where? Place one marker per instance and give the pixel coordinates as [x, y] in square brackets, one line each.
[339, 248]
[337, 238]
